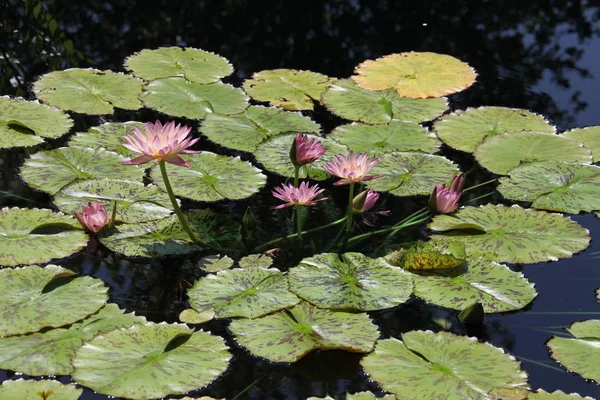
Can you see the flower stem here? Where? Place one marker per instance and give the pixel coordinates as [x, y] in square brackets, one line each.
[480, 184]
[350, 209]
[298, 224]
[296, 175]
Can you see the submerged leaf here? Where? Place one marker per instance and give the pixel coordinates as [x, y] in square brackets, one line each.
[32, 390]
[431, 255]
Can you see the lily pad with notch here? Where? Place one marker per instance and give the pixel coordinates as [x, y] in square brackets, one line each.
[108, 135]
[42, 389]
[215, 263]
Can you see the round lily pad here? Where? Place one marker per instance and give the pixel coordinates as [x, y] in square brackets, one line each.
[51, 170]
[89, 91]
[541, 394]
[349, 101]
[255, 260]
[288, 88]
[30, 301]
[589, 137]
[248, 293]
[108, 135]
[215, 263]
[192, 64]
[410, 174]
[212, 177]
[26, 123]
[415, 75]
[150, 361]
[502, 153]
[350, 281]
[511, 234]
[53, 390]
[442, 365]
[429, 255]
[555, 185]
[30, 236]
[287, 336]
[191, 316]
[246, 131]
[181, 98]
[465, 130]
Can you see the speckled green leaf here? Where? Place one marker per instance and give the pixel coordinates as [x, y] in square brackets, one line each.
[555, 186]
[191, 316]
[465, 130]
[427, 365]
[358, 396]
[143, 362]
[249, 293]
[215, 263]
[350, 281]
[108, 135]
[28, 305]
[135, 202]
[410, 174]
[255, 260]
[432, 255]
[589, 137]
[26, 123]
[582, 353]
[192, 64]
[212, 177]
[89, 91]
[381, 139]
[288, 88]
[502, 153]
[257, 124]
[50, 171]
[289, 335]
[181, 98]
[32, 390]
[30, 236]
[511, 234]
[494, 285]
[347, 100]
[541, 394]
[50, 352]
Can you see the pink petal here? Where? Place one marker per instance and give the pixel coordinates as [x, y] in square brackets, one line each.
[138, 160]
[177, 161]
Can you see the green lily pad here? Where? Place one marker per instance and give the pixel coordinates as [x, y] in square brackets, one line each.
[349, 101]
[582, 353]
[494, 285]
[415, 75]
[181, 98]
[255, 260]
[215, 263]
[554, 185]
[192, 64]
[511, 234]
[29, 302]
[465, 130]
[442, 365]
[191, 316]
[212, 177]
[248, 293]
[288, 88]
[382, 139]
[50, 352]
[29, 236]
[429, 255]
[150, 361]
[50, 171]
[502, 153]
[287, 336]
[589, 137]
[26, 123]
[246, 131]
[135, 202]
[89, 91]
[350, 281]
[358, 396]
[541, 394]
[410, 174]
[31, 390]
[108, 135]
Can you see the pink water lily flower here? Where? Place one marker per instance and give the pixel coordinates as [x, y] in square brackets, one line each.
[304, 195]
[305, 151]
[160, 143]
[352, 168]
[365, 201]
[93, 217]
[444, 200]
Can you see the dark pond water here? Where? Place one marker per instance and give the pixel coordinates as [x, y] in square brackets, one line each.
[539, 55]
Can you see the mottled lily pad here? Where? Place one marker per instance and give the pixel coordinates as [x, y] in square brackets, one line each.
[358, 396]
[465, 130]
[30, 301]
[541, 394]
[443, 365]
[429, 255]
[215, 263]
[192, 64]
[89, 91]
[415, 75]
[589, 137]
[181, 98]
[246, 131]
[255, 260]
[288, 88]
[26, 123]
[30, 236]
[31, 390]
[108, 135]
[511, 234]
[191, 316]
[289, 335]
[350, 281]
[150, 361]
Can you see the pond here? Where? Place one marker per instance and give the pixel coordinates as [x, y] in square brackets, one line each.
[539, 57]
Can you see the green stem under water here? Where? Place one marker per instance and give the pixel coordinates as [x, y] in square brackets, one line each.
[350, 209]
[298, 224]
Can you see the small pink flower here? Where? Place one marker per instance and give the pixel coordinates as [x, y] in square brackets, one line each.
[352, 168]
[305, 151]
[301, 196]
[93, 217]
[444, 200]
[160, 143]
[363, 202]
